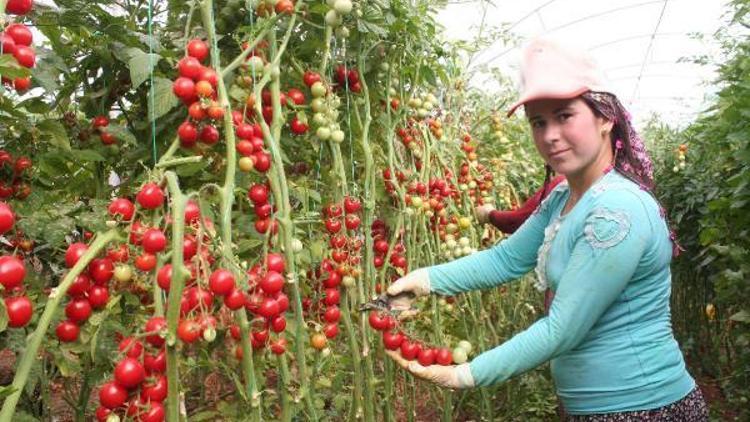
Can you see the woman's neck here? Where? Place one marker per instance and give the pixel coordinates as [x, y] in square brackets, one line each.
[579, 183]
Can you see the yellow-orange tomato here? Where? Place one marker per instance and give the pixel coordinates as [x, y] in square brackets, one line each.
[318, 341]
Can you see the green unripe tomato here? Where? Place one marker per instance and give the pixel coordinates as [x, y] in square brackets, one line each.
[343, 7]
[209, 334]
[123, 273]
[296, 245]
[319, 119]
[464, 344]
[323, 133]
[318, 105]
[348, 281]
[318, 89]
[338, 136]
[333, 18]
[460, 356]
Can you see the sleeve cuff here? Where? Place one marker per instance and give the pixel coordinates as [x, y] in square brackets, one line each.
[463, 373]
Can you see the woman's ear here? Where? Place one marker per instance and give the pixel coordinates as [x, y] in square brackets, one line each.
[607, 126]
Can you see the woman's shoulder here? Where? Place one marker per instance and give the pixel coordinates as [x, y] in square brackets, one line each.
[618, 193]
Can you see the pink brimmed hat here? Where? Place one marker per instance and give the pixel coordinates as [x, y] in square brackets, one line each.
[549, 70]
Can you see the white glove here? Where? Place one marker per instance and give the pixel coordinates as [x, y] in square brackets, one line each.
[483, 212]
[450, 376]
[417, 282]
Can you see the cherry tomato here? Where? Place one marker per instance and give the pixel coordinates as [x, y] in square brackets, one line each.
[331, 330]
[192, 212]
[98, 296]
[74, 253]
[318, 341]
[12, 272]
[129, 373]
[19, 310]
[278, 347]
[409, 349]
[20, 34]
[268, 308]
[145, 262]
[153, 327]
[80, 286]
[310, 78]
[78, 310]
[25, 56]
[101, 270]
[278, 324]
[332, 314]
[444, 356]
[189, 67]
[150, 196]
[112, 395]
[155, 390]
[188, 330]
[188, 134]
[392, 340]
[258, 194]
[155, 363]
[18, 7]
[122, 207]
[131, 347]
[67, 331]
[221, 282]
[235, 299]
[184, 88]
[272, 282]
[332, 297]
[426, 356]
[153, 241]
[198, 49]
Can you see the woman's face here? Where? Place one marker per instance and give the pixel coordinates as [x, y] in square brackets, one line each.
[568, 135]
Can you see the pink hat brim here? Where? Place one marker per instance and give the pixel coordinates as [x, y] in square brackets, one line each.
[532, 96]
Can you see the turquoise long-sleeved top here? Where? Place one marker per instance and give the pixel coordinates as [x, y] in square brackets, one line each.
[608, 333]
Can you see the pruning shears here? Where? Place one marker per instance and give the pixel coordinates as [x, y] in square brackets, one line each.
[384, 302]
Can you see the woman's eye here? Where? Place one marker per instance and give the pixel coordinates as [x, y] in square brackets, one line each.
[565, 116]
[537, 124]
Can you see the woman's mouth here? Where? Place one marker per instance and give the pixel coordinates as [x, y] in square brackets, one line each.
[558, 153]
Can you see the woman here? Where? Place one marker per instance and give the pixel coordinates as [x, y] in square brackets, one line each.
[599, 241]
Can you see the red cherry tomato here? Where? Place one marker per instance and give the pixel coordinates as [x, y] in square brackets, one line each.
[221, 282]
[98, 296]
[198, 49]
[122, 207]
[74, 253]
[19, 310]
[12, 272]
[129, 373]
[153, 241]
[150, 196]
[67, 331]
[112, 395]
[78, 310]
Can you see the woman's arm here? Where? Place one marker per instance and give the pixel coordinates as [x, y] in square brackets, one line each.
[603, 261]
[510, 221]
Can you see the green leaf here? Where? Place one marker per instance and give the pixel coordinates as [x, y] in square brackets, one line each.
[741, 316]
[86, 155]
[141, 64]
[164, 99]
[55, 132]
[47, 79]
[122, 134]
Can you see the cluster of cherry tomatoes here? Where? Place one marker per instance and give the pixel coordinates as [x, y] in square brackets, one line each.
[348, 78]
[99, 125]
[16, 40]
[410, 349]
[13, 171]
[280, 6]
[342, 267]
[12, 273]
[196, 88]
[139, 385]
[380, 247]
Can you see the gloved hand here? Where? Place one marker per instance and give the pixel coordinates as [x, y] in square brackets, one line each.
[483, 213]
[417, 282]
[450, 376]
